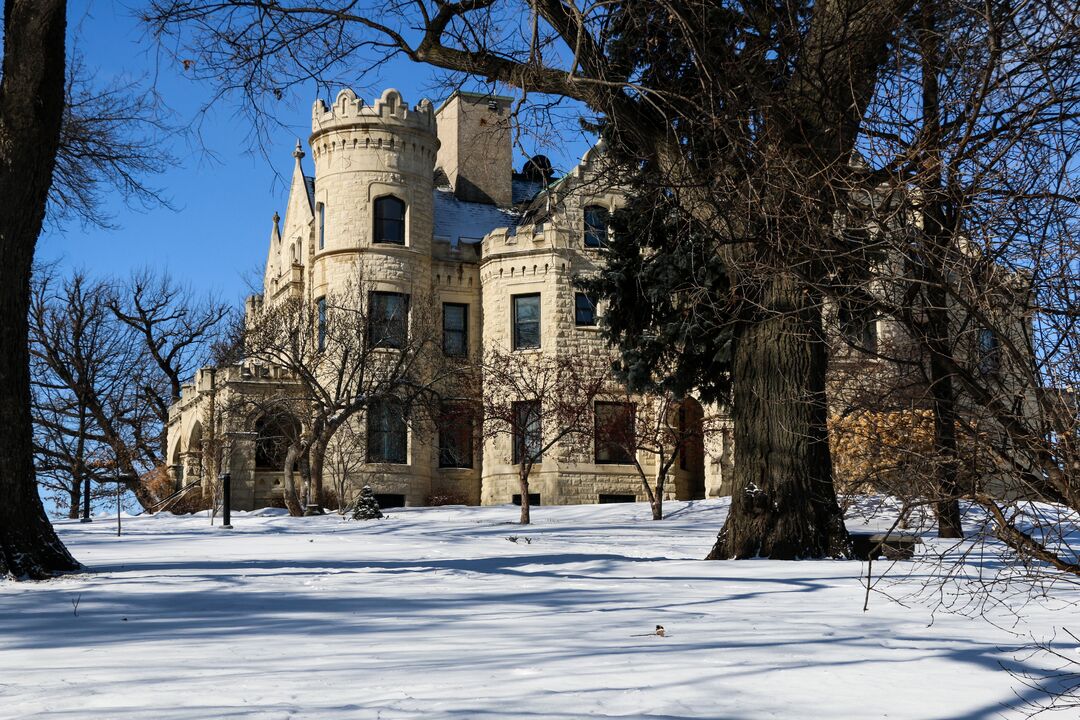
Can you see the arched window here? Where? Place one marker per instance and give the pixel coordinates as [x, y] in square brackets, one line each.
[389, 220]
[596, 226]
[274, 435]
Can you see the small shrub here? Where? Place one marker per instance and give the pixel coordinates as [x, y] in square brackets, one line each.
[439, 499]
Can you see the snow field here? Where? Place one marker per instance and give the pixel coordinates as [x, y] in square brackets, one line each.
[435, 613]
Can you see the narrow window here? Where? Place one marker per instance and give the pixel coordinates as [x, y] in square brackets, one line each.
[455, 435]
[320, 340]
[390, 220]
[388, 319]
[526, 311]
[584, 310]
[614, 432]
[596, 226]
[320, 214]
[455, 321]
[989, 352]
[387, 436]
[528, 434]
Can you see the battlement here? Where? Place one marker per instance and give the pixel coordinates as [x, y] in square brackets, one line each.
[525, 237]
[389, 110]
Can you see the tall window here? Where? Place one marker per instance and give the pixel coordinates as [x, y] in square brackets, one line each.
[859, 327]
[584, 310]
[455, 329]
[388, 319]
[456, 435]
[596, 226]
[389, 220]
[528, 433]
[387, 437]
[989, 352]
[614, 432]
[526, 309]
[320, 329]
[320, 218]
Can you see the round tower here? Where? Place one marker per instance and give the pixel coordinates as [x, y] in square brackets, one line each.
[374, 167]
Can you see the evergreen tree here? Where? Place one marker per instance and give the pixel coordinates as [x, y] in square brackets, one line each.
[367, 507]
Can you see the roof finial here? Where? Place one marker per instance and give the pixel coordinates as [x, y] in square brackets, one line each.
[277, 219]
[298, 152]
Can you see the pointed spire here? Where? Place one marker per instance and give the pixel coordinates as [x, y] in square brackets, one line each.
[276, 231]
[298, 152]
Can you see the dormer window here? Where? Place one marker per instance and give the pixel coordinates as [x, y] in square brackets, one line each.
[389, 220]
[596, 226]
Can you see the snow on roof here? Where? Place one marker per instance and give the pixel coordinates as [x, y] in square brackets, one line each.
[461, 221]
[524, 189]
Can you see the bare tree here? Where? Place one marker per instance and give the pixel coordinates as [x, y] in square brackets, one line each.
[31, 110]
[358, 353]
[652, 424]
[82, 353]
[535, 402]
[176, 332]
[33, 117]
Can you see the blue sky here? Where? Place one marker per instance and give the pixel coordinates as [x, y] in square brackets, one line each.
[223, 188]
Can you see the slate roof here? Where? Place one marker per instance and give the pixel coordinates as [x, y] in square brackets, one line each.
[461, 221]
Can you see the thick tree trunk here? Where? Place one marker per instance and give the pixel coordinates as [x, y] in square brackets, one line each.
[318, 463]
[31, 107]
[783, 506]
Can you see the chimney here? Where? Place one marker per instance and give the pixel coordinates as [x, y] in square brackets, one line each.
[474, 147]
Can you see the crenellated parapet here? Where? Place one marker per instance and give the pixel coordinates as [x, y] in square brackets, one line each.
[390, 110]
[525, 238]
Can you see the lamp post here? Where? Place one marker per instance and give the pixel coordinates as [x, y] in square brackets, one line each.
[120, 480]
[226, 500]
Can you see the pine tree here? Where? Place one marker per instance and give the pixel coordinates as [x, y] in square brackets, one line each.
[367, 507]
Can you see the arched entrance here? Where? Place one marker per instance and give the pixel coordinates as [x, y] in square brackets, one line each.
[690, 467]
[274, 434]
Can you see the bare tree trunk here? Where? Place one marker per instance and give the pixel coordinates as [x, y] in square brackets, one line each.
[292, 502]
[31, 108]
[74, 497]
[656, 499]
[936, 235]
[654, 504]
[783, 506]
[317, 454]
[523, 483]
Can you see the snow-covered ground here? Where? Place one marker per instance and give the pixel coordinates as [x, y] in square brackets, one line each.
[438, 613]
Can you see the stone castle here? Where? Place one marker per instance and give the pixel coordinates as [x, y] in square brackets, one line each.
[428, 197]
